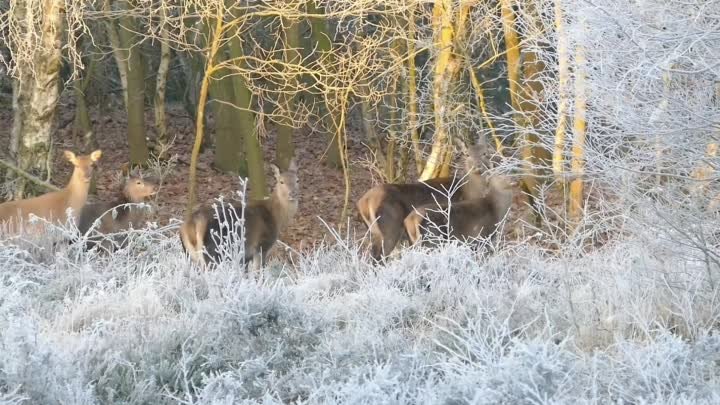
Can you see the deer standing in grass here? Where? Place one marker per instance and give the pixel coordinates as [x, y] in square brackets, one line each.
[119, 215]
[264, 221]
[53, 206]
[463, 220]
[383, 208]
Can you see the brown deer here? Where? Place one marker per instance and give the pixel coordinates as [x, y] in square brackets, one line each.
[205, 234]
[383, 208]
[118, 215]
[53, 206]
[465, 219]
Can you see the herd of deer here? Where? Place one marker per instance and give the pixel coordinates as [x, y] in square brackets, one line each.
[392, 212]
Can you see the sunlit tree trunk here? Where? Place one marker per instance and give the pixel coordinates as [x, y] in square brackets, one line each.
[579, 132]
[445, 68]
[512, 44]
[135, 105]
[36, 93]
[210, 66]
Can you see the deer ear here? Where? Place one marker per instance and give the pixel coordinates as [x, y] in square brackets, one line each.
[70, 156]
[95, 156]
[125, 169]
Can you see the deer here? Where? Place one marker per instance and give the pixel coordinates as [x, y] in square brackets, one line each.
[264, 221]
[53, 205]
[383, 208]
[464, 220]
[119, 215]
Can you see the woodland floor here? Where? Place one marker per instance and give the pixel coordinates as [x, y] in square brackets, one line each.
[321, 187]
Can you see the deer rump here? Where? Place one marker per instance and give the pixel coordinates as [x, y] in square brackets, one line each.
[384, 208]
[223, 227]
[467, 220]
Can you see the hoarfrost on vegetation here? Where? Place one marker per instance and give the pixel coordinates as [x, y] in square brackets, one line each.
[634, 321]
[440, 327]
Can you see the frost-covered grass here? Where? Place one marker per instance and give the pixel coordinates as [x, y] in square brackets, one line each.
[624, 324]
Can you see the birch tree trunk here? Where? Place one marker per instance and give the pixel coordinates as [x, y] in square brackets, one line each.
[36, 92]
[160, 86]
[445, 67]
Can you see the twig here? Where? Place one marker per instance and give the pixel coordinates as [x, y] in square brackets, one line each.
[28, 176]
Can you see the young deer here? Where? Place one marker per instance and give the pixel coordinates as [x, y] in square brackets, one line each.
[264, 221]
[466, 219]
[119, 215]
[53, 206]
[383, 208]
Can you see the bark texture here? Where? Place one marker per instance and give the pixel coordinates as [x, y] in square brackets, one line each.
[36, 92]
[135, 105]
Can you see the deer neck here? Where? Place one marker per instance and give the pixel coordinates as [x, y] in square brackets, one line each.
[282, 210]
[76, 192]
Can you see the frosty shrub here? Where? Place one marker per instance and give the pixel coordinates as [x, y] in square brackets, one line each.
[143, 326]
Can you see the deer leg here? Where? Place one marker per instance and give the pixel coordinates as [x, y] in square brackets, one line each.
[390, 230]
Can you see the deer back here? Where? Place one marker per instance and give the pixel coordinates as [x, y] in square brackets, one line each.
[467, 218]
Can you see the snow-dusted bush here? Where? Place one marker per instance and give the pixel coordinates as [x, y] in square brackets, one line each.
[144, 326]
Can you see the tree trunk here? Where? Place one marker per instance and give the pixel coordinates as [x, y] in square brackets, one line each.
[413, 125]
[445, 69]
[578, 150]
[321, 39]
[83, 126]
[247, 128]
[160, 87]
[368, 126]
[36, 94]
[563, 96]
[135, 91]
[285, 149]
[229, 148]
[120, 57]
[512, 45]
[200, 119]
